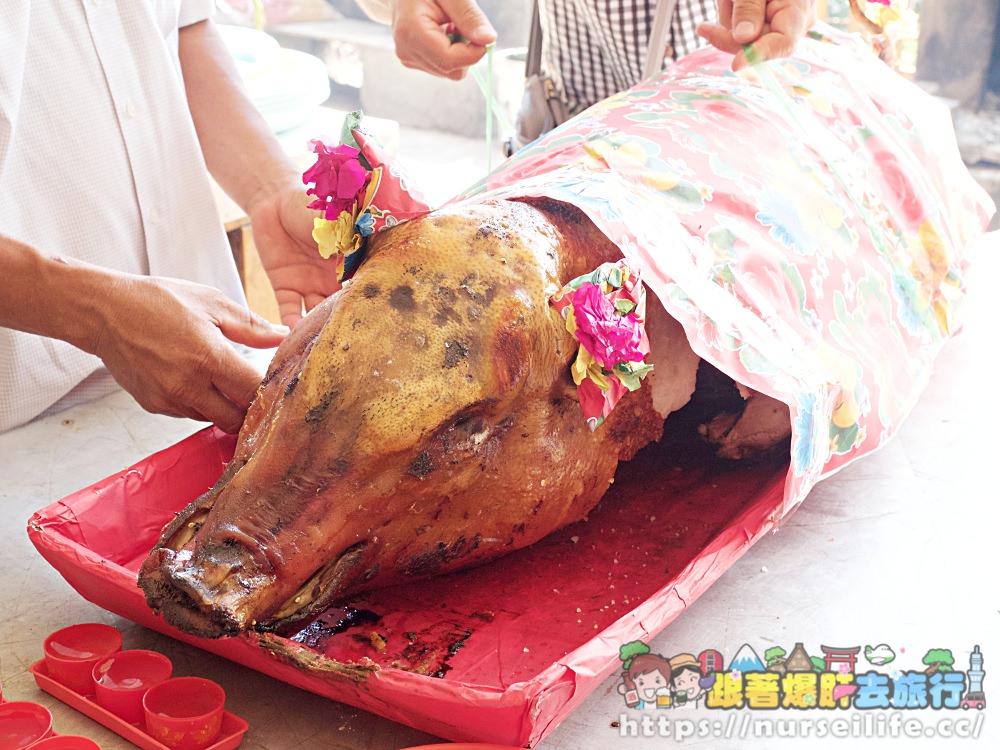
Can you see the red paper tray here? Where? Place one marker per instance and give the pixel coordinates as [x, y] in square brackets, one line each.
[230, 736]
[501, 653]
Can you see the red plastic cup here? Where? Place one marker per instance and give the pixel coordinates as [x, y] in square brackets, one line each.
[65, 742]
[22, 723]
[120, 681]
[71, 653]
[184, 713]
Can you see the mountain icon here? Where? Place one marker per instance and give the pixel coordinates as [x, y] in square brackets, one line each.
[746, 660]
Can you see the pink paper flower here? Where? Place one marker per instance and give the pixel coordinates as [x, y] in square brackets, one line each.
[338, 177]
[610, 337]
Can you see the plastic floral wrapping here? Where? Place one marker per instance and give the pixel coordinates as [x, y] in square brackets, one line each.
[805, 220]
[807, 227]
[358, 191]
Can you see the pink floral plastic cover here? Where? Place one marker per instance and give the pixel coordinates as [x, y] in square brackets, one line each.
[806, 220]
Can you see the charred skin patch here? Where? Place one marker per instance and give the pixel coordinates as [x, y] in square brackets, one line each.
[493, 228]
[479, 290]
[444, 300]
[563, 213]
[454, 353]
[422, 465]
[370, 291]
[471, 436]
[337, 467]
[278, 366]
[316, 413]
[401, 298]
[291, 384]
[272, 374]
[445, 315]
[426, 563]
[444, 295]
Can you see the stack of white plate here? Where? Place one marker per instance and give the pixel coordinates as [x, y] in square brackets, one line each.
[285, 85]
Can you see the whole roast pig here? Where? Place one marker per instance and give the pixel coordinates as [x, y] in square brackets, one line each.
[421, 420]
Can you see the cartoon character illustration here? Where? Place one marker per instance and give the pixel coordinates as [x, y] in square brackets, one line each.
[687, 680]
[645, 677]
[880, 654]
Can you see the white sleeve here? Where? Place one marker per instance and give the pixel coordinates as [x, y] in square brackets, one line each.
[193, 11]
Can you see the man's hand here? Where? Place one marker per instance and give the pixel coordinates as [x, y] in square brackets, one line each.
[423, 31]
[282, 229]
[773, 27]
[166, 342]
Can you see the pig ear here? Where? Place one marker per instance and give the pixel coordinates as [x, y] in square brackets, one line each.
[360, 192]
[605, 310]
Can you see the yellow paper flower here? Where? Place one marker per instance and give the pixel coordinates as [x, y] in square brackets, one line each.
[336, 237]
[586, 367]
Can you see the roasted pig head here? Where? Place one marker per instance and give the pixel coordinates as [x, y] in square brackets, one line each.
[423, 419]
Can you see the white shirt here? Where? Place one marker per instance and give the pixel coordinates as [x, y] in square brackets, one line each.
[99, 161]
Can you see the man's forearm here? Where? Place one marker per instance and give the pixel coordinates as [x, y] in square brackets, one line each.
[241, 151]
[51, 297]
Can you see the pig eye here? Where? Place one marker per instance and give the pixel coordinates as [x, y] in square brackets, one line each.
[471, 425]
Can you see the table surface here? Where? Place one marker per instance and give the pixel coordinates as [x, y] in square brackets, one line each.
[897, 548]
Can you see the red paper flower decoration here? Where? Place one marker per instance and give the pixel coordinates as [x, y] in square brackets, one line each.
[607, 334]
[339, 179]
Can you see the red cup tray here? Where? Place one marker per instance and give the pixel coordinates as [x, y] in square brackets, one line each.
[230, 736]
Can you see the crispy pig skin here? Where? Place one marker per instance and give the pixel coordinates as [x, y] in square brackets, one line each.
[421, 420]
